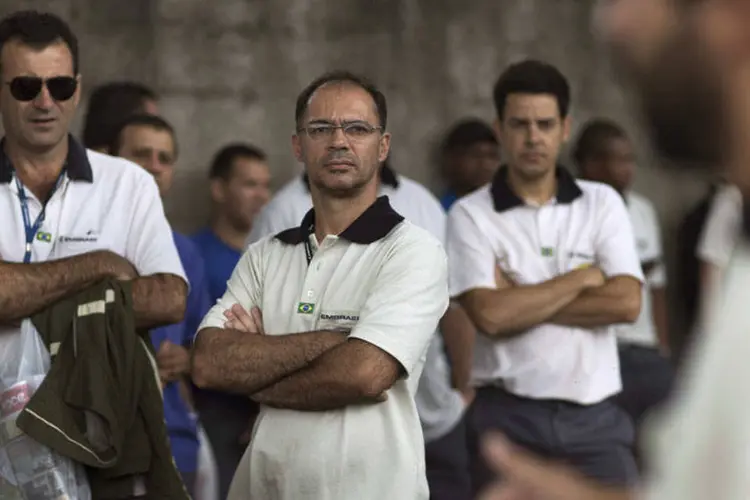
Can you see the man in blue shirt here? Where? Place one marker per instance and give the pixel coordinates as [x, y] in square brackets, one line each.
[239, 184]
[149, 141]
[469, 156]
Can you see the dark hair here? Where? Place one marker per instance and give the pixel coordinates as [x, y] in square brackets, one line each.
[221, 165]
[532, 77]
[342, 77]
[38, 30]
[109, 105]
[593, 138]
[141, 120]
[465, 134]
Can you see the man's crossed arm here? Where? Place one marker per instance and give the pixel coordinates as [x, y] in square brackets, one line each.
[311, 371]
[28, 288]
[580, 298]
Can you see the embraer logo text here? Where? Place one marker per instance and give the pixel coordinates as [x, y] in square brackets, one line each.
[338, 317]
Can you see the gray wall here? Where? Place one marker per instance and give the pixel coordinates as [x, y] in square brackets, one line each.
[231, 69]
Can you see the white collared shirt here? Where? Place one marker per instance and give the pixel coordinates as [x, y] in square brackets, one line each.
[386, 280]
[586, 224]
[648, 244]
[440, 406]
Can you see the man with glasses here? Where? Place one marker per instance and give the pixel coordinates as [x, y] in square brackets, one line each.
[363, 288]
[70, 217]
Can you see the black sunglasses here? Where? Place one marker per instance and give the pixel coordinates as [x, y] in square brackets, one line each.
[27, 88]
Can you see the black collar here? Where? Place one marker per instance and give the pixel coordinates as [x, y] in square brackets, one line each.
[504, 198]
[77, 166]
[374, 224]
[387, 177]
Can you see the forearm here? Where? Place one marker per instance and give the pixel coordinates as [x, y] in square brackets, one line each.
[244, 363]
[512, 311]
[28, 288]
[609, 304]
[158, 300]
[346, 375]
[458, 336]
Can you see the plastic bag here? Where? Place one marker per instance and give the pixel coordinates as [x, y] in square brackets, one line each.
[28, 469]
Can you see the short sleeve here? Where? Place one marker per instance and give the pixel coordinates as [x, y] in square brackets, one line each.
[150, 245]
[401, 314]
[614, 244]
[244, 287]
[470, 255]
[722, 227]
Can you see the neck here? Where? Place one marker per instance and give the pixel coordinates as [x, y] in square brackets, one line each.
[334, 215]
[38, 171]
[229, 233]
[537, 191]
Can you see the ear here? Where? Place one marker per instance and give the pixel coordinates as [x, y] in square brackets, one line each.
[566, 128]
[297, 147]
[385, 147]
[217, 190]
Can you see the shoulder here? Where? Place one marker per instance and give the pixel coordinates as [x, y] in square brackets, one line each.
[476, 201]
[409, 241]
[597, 196]
[640, 204]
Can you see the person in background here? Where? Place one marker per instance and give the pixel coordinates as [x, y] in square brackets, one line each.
[240, 187]
[689, 60]
[469, 157]
[545, 265]
[109, 105]
[604, 153]
[444, 392]
[240, 178]
[150, 142]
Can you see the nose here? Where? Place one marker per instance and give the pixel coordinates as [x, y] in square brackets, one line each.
[44, 99]
[533, 135]
[338, 140]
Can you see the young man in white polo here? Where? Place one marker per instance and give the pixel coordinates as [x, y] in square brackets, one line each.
[345, 307]
[544, 265]
[444, 393]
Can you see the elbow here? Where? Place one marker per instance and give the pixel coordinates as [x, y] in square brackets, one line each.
[175, 313]
[371, 383]
[631, 307]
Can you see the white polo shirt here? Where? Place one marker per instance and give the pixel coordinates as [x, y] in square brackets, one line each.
[648, 244]
[440, 406]
[722, 228]
[384, 278]
[587, 223]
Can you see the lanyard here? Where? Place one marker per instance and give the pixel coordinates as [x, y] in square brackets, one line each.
[308, 246]
[29, 228]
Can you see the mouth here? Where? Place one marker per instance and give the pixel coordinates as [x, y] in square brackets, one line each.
[339, 164]
[42, 121]
[532, 156]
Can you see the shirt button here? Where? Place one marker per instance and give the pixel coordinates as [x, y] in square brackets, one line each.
[310, 293]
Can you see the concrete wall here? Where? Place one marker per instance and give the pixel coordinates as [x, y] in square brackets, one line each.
[231, 69]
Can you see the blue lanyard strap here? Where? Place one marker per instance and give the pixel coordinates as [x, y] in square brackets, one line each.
[29, 228]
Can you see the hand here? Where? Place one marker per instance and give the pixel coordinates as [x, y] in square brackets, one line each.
[117, 266]
[468, 395]
[528, 478]
[591, 276]
[502, 279]
[239, 319]
[173, 361]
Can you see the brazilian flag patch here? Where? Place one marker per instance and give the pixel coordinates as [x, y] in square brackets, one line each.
[548, 252]
[45, 237]
[305, 308]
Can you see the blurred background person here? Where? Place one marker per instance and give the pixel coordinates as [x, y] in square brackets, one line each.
[604, 153]
[469, 155]
[150, 141]
[109, 105]
[239, 186]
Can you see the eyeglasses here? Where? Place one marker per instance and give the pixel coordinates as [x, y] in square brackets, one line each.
[355, 131]
[27, 88]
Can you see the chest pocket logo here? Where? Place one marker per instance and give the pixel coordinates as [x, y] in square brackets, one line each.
[338, 321]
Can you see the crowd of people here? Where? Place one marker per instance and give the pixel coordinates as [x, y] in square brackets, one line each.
[351, 335]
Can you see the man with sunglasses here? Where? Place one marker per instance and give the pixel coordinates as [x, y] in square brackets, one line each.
[70, 217]
[365, 288]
